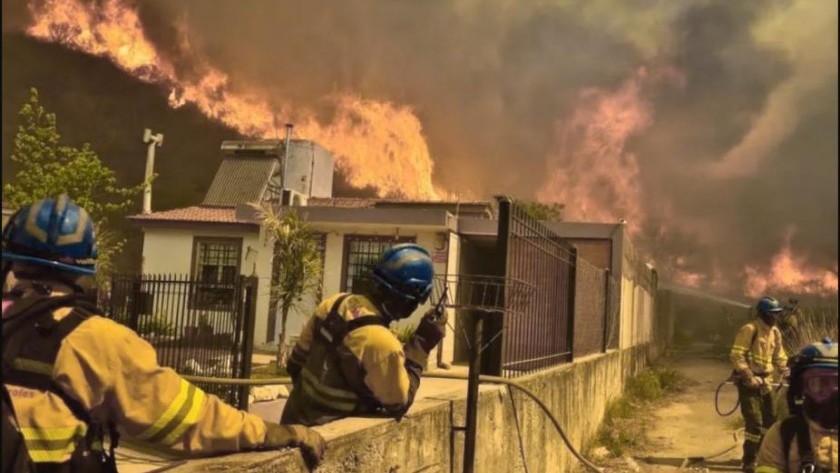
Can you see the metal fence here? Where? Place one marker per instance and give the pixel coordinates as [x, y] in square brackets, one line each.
[540, 335]
[196, 327]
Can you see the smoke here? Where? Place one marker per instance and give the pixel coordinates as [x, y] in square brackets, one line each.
[724, 144]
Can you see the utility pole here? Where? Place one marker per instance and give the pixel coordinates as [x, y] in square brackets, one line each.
[153, 141]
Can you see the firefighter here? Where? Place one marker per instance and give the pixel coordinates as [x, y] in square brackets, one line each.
[347, 362]
[756, 355]
[72, 375]
[806, 441]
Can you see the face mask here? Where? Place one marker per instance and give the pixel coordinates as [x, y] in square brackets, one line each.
[823, 413]
[768, 318]
[396, 309]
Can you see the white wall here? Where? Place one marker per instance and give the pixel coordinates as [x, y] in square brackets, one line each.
[333, 259]
[168, 250]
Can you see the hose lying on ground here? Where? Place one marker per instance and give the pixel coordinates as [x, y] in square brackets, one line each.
[692, 460]
[482, 378]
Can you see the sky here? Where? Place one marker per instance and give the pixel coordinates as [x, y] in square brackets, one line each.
[710, 126]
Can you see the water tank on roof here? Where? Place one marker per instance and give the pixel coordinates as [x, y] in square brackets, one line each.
[310, 169]
[310, 166]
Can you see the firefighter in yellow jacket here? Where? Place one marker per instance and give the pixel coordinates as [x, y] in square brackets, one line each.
[72, 376]
[347, 362]
[758, 354]
[806, 441]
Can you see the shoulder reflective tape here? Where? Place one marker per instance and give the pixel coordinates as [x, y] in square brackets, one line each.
[768, 469]
[52, 445]
[180, 415]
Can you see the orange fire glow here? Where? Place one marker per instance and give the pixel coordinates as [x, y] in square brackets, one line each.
[376, 144]
[789, 273]
[592, 173]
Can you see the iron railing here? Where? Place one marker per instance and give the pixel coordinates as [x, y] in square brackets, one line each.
[195, 327]
[540, 335]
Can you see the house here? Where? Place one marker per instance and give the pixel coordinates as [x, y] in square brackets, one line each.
[222, 237]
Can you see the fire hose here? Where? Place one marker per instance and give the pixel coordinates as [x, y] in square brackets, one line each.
[731, 381]
[482, 378]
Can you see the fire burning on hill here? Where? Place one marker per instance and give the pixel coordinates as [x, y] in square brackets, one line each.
[683, 118]
[364, 135]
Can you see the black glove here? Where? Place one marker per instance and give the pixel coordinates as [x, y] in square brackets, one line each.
[311, 444]
[431, 329]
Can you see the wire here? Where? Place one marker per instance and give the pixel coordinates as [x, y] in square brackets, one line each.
[482, 378]
[518, 431]
[529, 393]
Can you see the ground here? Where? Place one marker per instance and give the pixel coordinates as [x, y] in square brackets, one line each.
[686, 433]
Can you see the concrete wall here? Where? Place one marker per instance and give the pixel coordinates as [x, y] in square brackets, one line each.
[424, 440]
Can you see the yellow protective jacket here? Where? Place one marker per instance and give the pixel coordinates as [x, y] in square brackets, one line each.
[114, 375]
[368, 371]
[772, 458]
[758, 350]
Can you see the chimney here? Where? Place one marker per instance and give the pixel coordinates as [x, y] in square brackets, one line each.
[289, 127]
[152, 141]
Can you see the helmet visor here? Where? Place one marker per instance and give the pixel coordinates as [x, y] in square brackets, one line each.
[819, 384]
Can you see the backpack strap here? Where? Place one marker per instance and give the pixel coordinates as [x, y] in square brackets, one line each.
[803, 442]
[796, 427]
[334, 327]
[31, 341]
[331, 332]
[788, 430]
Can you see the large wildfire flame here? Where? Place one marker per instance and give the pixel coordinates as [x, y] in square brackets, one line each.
[592, 173]
[381, 145]
[791, 274]
[376, 144]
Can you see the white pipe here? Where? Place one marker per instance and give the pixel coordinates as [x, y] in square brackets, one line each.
[153, 141]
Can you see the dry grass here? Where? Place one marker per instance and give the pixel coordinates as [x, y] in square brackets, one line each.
[816, 323]
[628, 418]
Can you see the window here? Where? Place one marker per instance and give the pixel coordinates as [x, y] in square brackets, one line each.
[215, 267]
[360, 254]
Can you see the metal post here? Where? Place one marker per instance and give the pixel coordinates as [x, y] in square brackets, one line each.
[570, 330]
[249, 311]
[472, 394]
[152, 141]
[607, 303]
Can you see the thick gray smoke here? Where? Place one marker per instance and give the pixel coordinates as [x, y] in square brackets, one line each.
[738, 159]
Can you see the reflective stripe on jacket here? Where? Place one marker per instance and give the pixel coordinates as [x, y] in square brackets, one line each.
[763, 354]
[370, 370]
[114, 375]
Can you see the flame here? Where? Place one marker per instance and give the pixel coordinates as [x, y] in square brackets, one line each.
[592, 173]
[376, 144]
[789, 273]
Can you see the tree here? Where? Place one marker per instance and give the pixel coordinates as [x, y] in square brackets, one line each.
[538, 210]
[48, 168]
[296, 269]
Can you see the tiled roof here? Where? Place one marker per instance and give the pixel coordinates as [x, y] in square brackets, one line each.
[240, 179]
[344, 202]
[357, 202]
[196, 213]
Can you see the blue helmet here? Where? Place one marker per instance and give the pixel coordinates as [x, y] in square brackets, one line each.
[406, 270]
[54, 233]
[768, 305]
[815, 355]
